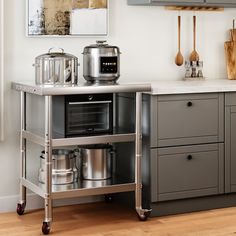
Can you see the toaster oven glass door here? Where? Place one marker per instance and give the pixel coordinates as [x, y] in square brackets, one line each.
[89, 117]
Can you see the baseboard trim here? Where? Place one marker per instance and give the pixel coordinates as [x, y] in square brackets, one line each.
[8, 203]
[193, 204]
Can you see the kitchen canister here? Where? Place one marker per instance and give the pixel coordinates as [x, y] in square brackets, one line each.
[56, 68]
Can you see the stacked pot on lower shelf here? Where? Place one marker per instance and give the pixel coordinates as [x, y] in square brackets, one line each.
[91, 165]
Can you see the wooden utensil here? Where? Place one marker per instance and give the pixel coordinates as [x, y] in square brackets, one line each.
[233, 32]
[194, 55]
[179, 60]
[230, 54]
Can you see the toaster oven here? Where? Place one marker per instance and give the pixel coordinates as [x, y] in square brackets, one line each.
[78, 115]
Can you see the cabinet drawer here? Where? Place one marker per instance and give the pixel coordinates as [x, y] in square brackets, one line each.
[184, 172]
[188, 119]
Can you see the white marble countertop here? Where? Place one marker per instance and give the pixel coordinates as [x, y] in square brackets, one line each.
[162, 87]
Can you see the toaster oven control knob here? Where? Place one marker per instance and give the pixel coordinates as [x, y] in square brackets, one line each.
[90, 97]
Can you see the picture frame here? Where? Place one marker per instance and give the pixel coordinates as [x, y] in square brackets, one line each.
[1, 70]
[67, 18]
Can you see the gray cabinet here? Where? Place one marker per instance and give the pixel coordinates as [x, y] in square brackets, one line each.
[220, 3]
[230, 142]
[183, 151]
[187, 119]
[186, 146]
[190, 171]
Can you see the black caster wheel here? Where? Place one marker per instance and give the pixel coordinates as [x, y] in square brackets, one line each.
[20, 209]
[46, 228]
[145, 216]
[109, 198]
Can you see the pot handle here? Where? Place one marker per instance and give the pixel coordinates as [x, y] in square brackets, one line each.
[101, 42]
[35, 65]
[78, 161]
[112, 151]
[50, 49]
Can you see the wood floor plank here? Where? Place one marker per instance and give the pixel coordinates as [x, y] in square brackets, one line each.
[100, 219]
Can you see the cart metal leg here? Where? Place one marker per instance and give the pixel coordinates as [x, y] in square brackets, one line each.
[22, 202]
[142, 213]
[48, 165]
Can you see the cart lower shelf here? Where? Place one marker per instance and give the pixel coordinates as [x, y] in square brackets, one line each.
[80, 189]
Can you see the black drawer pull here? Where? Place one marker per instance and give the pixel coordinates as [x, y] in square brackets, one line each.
[189, 104]
[189, 157]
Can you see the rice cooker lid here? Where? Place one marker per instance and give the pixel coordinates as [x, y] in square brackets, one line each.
[100, 45]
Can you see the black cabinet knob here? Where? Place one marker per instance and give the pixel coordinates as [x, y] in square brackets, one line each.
[189, 104]
[189, 157]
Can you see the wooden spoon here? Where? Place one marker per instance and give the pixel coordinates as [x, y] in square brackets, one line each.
[179, 60]
[194, 55]
[232, 32]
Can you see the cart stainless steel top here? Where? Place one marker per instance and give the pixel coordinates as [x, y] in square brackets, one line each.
[48, 142]
[86, 88]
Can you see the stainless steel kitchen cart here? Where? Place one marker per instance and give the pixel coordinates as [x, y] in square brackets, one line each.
[49, 143]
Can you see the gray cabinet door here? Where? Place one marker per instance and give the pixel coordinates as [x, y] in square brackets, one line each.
[187, 119]
[184, 172]
[230, 149]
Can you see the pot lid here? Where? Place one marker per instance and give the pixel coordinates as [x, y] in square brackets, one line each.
[57, 54]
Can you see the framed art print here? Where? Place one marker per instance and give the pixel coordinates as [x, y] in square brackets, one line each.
[67, 17]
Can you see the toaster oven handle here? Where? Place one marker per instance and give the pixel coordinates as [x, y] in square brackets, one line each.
[94, 102]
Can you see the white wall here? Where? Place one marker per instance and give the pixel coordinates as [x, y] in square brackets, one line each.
[147, 37]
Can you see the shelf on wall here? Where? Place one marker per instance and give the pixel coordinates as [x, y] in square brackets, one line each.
[193, 8]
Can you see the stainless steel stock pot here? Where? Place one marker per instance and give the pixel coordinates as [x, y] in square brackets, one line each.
[64, 168]
[96, 162]
[56, 68]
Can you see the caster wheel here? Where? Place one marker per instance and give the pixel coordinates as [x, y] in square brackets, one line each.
[46, 228]
[109, 198]
[20, 209]
[145, 216]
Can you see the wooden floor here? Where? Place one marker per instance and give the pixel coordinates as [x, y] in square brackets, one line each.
[100, 219]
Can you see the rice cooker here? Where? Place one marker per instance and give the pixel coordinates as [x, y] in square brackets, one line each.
[101, 63]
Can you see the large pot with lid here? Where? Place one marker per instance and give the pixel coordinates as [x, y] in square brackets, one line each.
[101, 63]
[64, 167]
[56, 68]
